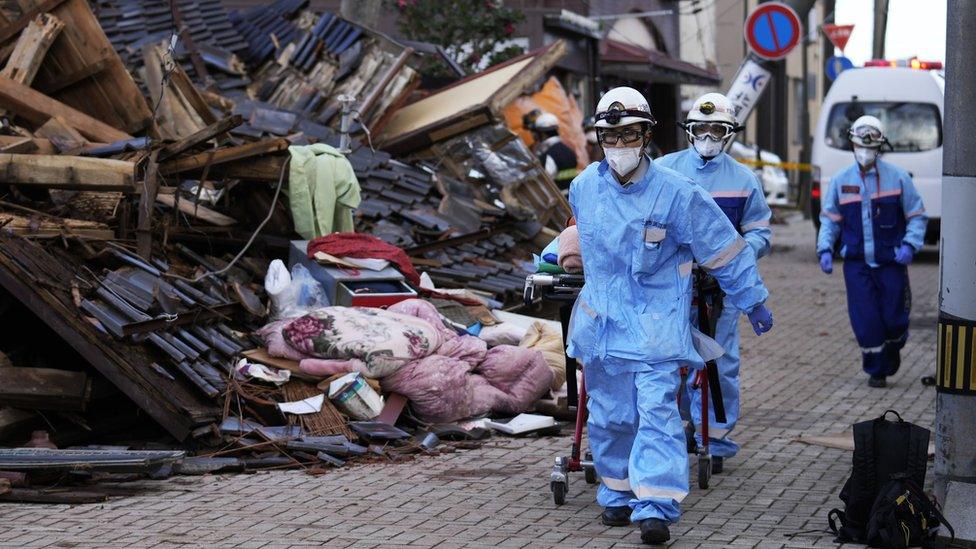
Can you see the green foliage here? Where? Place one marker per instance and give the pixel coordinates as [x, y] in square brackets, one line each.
[468, 30]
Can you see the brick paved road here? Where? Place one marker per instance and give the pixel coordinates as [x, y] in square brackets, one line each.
[802, 378]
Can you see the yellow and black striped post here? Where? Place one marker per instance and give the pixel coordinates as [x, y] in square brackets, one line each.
[956, 370]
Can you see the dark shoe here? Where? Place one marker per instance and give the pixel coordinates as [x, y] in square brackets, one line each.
[690, 441]
[718, 464]
[654, 531]
[616, 516]
[878, 381]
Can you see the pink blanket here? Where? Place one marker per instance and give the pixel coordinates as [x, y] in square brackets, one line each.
[455, 378]
[569, 250]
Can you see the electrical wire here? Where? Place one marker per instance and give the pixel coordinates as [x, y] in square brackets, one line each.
[254, 235]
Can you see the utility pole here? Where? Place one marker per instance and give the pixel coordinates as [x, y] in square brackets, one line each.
[880, 28]
[955, 404]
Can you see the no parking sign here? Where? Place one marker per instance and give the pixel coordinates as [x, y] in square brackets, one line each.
[772, 30]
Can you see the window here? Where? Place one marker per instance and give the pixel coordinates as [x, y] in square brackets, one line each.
[909, 127]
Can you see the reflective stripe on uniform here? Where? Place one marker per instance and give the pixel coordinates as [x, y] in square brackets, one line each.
[647, 492]
[916, 213]
[850, 199]
[873, 350]
[725, 256]
[755, 225]
[882, 194]
[619, 484]
[730, 194]
[832, 216]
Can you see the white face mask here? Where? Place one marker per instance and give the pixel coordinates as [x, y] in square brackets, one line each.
[623, 160]
[708, 148]
[865, 157]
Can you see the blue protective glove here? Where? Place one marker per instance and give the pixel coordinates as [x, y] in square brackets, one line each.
[904, 254]
[827, 262]
[761, 319]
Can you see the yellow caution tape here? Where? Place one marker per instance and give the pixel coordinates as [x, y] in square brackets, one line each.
[798, 166]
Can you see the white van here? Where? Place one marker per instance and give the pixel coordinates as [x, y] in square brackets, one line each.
[909, 102]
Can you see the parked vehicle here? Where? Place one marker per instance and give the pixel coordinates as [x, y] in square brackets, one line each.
[776, 184]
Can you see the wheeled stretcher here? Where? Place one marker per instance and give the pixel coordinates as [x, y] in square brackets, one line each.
[564, 289]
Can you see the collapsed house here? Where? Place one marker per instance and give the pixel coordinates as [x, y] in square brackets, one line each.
[148, 183]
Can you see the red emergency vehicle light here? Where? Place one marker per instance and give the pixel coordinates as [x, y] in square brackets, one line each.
[906, 63]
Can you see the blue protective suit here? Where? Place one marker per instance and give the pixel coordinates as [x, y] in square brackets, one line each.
[631, 325]
[736, 190]
[874, 213]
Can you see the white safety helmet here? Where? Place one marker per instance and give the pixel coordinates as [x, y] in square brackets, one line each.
[712, 107]
[546, 121]
[623, 106]
[867, 131]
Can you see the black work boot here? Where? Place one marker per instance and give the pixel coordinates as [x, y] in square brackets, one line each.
[718, 465]
[654, 531]
[878, 381]
[616, 516]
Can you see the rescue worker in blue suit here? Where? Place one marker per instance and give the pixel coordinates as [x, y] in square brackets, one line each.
[879, 216]
[641, 227]
[710, 125]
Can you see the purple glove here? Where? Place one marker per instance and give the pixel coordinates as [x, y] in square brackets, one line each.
[827, 262]
[761, 319]
[904, 254]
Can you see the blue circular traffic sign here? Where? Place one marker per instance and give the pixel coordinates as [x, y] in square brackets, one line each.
[836, 65]
[772, 30]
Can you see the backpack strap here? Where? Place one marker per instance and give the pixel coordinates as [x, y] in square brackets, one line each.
[917, 453]
[930, 507]
[864, 455]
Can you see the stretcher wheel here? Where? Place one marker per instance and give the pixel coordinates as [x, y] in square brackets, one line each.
[704, 471]
[527, 295]
[559, 490]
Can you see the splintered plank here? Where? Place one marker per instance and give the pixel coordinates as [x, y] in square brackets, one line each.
[34, 227]
[64, 138]
[37, 108]
[197, 211]
[221, 156]
[31, 48]
[110, 95]
[68, 172]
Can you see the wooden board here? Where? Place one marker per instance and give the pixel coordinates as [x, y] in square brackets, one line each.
[44, 389]
[31, 48]
[109, 95]
[68, 172]
[54, 227]
[64, 138]
[197, 211]
[37, 108]
[842, 441]
[261, 356]
[40, 146]
[220, 156]
[409, 129]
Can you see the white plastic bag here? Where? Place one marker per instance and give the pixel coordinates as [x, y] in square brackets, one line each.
[292, 294]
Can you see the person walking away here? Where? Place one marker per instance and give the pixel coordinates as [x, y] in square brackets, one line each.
[641, 226]
[873, 207]
[709, 127]
[556, 157]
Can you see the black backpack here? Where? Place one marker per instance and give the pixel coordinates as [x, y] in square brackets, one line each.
[881, 498]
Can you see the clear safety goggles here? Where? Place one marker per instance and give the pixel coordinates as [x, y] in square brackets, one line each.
[716, 130]
[866, 136]
[612, 137]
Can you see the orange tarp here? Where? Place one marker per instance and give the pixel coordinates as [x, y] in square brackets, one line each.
[554, 99]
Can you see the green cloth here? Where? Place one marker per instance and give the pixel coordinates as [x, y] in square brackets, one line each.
[549, 268]
[322, 190]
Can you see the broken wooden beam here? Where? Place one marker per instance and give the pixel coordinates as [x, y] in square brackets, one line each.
[263, 168]
[37, 108]
[20, 146]
[31, 48]
[221, 156]
[65, 139]
[44, 389]
[40, 146]
[206, 134]
[68, 172]
[54, 227]
[197, 211]
[10, 30]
